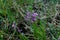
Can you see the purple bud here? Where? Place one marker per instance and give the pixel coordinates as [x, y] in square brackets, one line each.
[28, 17]
[19, 30]
[14, 25]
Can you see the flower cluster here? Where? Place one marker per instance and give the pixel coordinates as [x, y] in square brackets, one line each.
[31, 16]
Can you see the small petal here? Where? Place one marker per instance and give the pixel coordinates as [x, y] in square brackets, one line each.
[34, 14]
[13, 25]
[33, 19]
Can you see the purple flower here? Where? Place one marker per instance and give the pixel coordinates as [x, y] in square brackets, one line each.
[33, 19]
[31, 16]
[34, 14]
[28, 16]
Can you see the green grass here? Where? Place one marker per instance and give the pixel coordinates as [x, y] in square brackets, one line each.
[45, 27]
